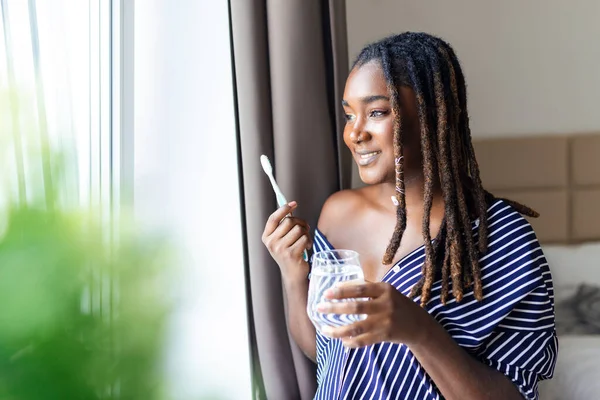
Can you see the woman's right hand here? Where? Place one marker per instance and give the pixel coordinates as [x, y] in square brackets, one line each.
[286, 238]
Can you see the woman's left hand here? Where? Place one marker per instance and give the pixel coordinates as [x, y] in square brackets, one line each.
[391, 316]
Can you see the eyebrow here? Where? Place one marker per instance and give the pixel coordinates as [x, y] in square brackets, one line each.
[368, 99]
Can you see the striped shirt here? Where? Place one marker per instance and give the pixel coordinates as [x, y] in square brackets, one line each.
[511, 329]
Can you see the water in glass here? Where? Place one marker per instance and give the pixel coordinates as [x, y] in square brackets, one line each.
[329, 268]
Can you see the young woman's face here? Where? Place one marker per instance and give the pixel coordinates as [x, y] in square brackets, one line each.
[369, 130]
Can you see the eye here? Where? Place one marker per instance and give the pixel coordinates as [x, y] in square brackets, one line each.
[349, 117]
[378, 113]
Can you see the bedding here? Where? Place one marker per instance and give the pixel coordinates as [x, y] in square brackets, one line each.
[580, 313]
[573, 265]
[577, 374]
[576, 277]
[559, 176]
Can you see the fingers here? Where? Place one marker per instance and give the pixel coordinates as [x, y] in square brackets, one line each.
[291, 231]
[359, 334]
[351, 307]
[355, 329]
[287, 226]
[363, 340]
[285, 236]
[382, 314]
[276, 217]
[303, 243]
[357, 290]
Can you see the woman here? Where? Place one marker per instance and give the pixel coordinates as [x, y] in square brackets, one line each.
[461, 306]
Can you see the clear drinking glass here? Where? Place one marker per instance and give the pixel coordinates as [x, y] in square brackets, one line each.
[330, 268]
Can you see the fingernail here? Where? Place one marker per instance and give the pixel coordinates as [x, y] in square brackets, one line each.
[329, 293]
[292, 204]
[321, 307]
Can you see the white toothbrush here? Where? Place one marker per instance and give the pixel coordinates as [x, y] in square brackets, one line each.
[281, 200]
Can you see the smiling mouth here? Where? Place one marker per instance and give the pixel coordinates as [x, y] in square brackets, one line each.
[367, 158]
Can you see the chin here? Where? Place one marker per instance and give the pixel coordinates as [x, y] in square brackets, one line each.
[372, 177]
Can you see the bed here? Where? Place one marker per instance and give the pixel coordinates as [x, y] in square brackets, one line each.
[559, 176]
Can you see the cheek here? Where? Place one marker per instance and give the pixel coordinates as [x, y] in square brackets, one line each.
[347, 133]
[384, 133]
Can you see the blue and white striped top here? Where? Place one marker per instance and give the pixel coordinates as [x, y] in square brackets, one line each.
[511, 329]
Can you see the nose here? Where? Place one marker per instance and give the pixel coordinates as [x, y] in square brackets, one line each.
[358, 133]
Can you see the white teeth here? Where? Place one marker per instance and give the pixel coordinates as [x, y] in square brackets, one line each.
[369, 154]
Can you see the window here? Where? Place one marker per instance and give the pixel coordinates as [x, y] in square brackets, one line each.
[141, 93]
[186, 182]
[55, 77]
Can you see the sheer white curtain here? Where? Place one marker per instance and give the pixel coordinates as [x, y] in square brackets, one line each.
[67, 73]
[56, 84]
[58, 78]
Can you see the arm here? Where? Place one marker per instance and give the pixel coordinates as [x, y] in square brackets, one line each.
[455, 372]
[286, 238]
[519, 340]
[392, 317]
[302, 330]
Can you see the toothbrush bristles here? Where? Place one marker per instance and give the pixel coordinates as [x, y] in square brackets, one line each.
[266, 164]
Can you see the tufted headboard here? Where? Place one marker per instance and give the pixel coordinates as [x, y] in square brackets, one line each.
[558, 176]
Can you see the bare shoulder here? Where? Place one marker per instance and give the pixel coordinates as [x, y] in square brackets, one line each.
[341, 211]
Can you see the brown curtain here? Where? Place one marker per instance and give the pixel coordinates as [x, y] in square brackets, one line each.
[290, 65]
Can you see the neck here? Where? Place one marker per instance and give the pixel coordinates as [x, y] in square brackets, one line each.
[414, 193]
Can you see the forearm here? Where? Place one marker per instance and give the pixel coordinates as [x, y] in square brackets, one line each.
[456, 373]
[301, 327]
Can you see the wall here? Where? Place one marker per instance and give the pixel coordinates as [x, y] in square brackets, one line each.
[531, 66]
[186, 183]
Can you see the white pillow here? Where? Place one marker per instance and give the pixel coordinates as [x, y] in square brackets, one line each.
[573, 265]
[577, 374]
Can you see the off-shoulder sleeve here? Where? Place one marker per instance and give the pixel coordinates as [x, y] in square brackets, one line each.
[522, 342]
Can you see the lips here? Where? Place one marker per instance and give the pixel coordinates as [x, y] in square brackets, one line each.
[366, 158]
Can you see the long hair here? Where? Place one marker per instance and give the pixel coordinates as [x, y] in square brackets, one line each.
[429, 66]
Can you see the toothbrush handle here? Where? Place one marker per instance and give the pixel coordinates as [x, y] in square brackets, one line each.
[281, 200]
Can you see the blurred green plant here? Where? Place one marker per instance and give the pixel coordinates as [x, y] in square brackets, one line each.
[83, 310]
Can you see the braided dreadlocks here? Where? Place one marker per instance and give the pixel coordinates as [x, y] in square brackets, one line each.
[430, 67]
